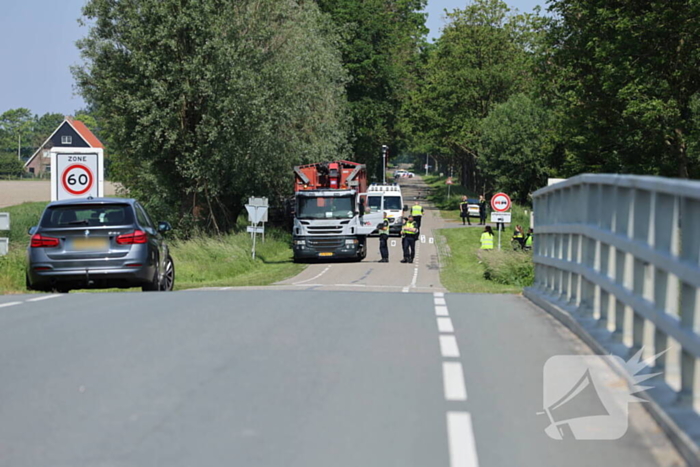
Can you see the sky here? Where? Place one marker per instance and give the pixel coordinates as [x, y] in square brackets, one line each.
[37, 49]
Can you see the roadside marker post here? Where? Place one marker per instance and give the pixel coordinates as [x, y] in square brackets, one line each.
[4, 225]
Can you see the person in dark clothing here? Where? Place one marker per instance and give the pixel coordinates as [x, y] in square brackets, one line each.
[482, 210]
[409, 232]
[383, 237]
[464, 211]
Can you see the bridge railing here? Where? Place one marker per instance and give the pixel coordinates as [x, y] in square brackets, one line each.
[622, 255]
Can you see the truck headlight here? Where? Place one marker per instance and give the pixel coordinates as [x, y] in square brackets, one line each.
[351, 242]
[300, 242]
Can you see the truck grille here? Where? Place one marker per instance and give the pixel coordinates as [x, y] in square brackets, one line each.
[329, 244]
[325, 229]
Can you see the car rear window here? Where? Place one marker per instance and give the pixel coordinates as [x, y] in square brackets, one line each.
[91, 215]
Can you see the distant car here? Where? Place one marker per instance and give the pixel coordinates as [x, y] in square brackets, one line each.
[98, 243]
[473, 207]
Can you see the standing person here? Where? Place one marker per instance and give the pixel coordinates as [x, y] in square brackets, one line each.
[482, 210]
[383, 237]
[409, 232]
[464, 211]
[528, 239]
[417, 213]
[487, 238]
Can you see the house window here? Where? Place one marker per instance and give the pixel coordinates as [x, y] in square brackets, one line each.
[66, 139]
[46, 154]
[31, 170]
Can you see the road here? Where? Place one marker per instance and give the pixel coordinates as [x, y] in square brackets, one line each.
[372, 276]
[293, 375]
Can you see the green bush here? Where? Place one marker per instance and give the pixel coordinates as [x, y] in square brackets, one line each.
[508, 267]
[10, 166]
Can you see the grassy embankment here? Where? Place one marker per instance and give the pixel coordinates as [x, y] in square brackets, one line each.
[467, 268]
[199, 262]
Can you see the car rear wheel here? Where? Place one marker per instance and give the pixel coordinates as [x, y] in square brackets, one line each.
[168, 282]
[154, 285]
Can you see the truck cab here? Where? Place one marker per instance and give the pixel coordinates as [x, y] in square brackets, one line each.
[331, 219]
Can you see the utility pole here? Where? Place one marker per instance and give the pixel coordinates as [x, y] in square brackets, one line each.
[19, 146]
[426, 164]
[385, 148]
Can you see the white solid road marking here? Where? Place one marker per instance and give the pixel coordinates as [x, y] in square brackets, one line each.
[3, 305]
[460, 438]
[448, 346]
[45, 297]
[439, 301]
[453, 381]
[225, 288]
[441, 311]
[315, 277]
[445, 325]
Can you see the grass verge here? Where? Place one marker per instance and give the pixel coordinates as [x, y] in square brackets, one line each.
[200, 262]
[466, 268]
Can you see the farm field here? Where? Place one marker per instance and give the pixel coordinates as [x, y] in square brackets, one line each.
[13, 192]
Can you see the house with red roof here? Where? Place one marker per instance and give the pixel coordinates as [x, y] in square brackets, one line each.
[71, 134]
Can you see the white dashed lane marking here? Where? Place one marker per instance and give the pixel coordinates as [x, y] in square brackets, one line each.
[453, 381]
[460, 437]
[445, 325]
[441, 310]
[45, 297]
[3, 305]
[448, 346]
[439, 301]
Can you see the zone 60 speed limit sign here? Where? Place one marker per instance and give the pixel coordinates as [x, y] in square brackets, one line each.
[76, 173]
[500, 202]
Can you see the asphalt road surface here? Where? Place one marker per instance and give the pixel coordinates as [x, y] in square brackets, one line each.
[287, 376]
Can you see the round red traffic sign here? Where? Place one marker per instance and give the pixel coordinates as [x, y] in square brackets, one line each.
[77, 179]
[500, 202]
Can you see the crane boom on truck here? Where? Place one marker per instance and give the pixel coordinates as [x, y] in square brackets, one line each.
[329, 216]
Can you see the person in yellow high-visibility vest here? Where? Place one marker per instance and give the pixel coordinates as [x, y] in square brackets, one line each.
[487, 238]
[528, 239]
[409, 232]
[417, 213]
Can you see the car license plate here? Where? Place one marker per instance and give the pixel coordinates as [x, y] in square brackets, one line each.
[325, 254]
[90, 244]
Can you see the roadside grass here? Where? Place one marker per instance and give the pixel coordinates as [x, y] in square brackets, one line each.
[199, 262]
[467, 268]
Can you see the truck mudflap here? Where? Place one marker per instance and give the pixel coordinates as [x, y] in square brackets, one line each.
[308, 247]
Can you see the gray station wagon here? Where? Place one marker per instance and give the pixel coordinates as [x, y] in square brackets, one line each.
[98, 243]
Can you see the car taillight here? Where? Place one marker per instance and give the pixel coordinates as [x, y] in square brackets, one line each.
[41, 241]
[137, 236]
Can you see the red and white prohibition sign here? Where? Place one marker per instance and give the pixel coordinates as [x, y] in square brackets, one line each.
[77, 179]
[500, 202]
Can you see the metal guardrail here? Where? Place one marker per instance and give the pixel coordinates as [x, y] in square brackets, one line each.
[620, 257]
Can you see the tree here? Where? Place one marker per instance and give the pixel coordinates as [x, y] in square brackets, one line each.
[627, 75]
[380, 51]
[481, 59]
[15, 129]
[208, 102]
[517, 145]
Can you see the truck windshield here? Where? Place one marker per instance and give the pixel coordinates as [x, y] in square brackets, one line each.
[323, 207]
[391, 203]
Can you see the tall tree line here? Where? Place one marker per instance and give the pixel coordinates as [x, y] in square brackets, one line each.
[511, 99]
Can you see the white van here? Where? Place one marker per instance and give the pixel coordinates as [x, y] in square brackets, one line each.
[387, 198]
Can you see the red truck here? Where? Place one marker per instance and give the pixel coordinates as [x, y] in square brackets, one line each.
[329, 215]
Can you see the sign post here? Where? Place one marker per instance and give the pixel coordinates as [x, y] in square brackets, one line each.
[77, 173]
[500, 202]
[256, 214]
